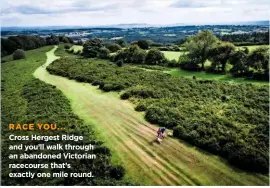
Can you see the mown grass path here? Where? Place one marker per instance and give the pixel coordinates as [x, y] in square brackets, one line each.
[132, 140]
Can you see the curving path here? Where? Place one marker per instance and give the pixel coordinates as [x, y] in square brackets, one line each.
[132, 140]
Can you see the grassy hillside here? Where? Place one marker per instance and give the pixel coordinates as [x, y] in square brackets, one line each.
[28, 100]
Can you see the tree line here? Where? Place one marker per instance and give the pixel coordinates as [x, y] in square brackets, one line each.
[244, 39]
[205, 45]
[29, 42]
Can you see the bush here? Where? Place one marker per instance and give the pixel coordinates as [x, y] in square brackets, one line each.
[92, 47]
[163, 116]
[186, 63]
[117, 172]
[125, 95]
[155, 57]
[18, 54]
[103, 53]
[172, 63]
[140, 107]
[113, 47]
[143, 44]
[131, 55]
[67, 46]
[119, 63]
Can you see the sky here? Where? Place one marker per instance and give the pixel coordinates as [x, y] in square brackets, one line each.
[112, 12]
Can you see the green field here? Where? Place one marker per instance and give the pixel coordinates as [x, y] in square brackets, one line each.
[77, 48]
[172, 55]
[177, 72]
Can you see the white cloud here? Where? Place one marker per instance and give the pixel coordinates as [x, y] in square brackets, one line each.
[106, 12]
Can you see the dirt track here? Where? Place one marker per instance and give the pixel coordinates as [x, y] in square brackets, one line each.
[132, 140]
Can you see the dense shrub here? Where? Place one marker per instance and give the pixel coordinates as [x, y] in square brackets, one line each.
[103, 53]
[18, 54]
[212, 115]
[117, 172]
[132, 54]
[92, 47]
[143, 44]
[187, 64]
[163, 116]
[140, 107]
[174, 48]
[113, 47]
[155, 57]
[67, 46]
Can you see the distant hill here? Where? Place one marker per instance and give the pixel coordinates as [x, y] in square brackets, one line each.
[126, 26]
[252, 23]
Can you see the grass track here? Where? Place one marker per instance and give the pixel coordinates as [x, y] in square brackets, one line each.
[132, 140]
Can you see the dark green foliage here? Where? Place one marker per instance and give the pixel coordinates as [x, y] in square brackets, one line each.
[52, 40]
[104, 53]
[174, 48]
[12, 43]
[172, 63]
[225, 119]
[65, 39]
[239, 61]
[163, 116]
[155, 57]
[113, 47]
[199, 46]
[219, 56]
[143, 44]
[121, 42]
[247, 39]
[18, 54]
[91, 48]
[119, 63]
[67, 46]
[140, 107]
[258, 60]
[117, 172]
[132, 54]
[186, 63]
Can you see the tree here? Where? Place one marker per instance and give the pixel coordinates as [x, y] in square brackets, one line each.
[259, 60]
[239, 61]
[104, 53]
[143, 44]
[52, 40]
[220, 54]
[114, 47]
[199, 45]
[67, 46]
[92, 47]
[133, 54]
[18, 54]
[121, 42]
[154, 57]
